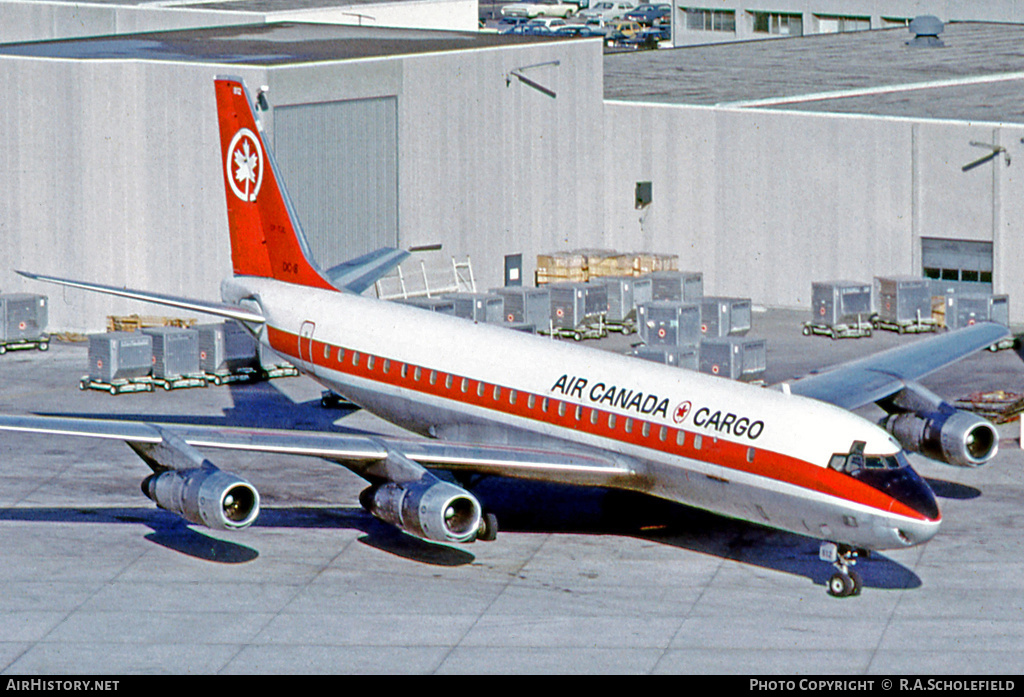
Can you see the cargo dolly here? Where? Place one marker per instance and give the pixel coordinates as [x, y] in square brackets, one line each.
[117, 386]
[177, 382]
[918, 325]
[854, 330]
[42, 343]
[593, 328]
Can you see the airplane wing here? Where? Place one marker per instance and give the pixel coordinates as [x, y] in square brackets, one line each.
[212, 308]
[357, 452]
[878, 376]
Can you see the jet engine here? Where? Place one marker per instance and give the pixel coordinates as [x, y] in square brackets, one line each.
[428, 508]
[950, 435]
[205, 495]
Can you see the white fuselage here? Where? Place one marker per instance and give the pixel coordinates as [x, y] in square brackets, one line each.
[742, 451]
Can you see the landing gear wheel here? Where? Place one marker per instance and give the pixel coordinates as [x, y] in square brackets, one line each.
[488, 528]
[857, 582]
[840, 585]
[807, 331]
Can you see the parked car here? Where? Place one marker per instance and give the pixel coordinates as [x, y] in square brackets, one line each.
[539, 8]
[621, 29]
[579, 31]
[606, 11]
[542, 26]
[649, 37]
[649, 14]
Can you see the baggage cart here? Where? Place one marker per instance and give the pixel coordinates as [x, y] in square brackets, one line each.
[904, 305]
[175, 357]
[624, 293]
[840, 310]
[577, 311]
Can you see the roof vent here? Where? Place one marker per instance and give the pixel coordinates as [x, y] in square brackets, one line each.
[926, 30]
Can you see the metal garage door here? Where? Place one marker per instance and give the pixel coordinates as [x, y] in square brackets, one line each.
[965, 265]
[340, 163]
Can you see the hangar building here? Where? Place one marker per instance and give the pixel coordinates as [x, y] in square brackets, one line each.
[772, 164]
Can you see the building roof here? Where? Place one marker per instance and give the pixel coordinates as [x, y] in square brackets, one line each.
[266, 44]
[978, 74]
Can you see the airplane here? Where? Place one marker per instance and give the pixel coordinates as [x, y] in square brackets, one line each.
[795, 457]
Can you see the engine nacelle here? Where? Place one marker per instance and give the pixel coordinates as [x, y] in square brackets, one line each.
[206, 496]
[428, 508]
[952, 436]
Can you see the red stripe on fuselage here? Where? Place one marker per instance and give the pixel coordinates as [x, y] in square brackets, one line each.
[577, 417]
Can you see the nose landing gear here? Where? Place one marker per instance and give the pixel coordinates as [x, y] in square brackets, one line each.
[844, 582]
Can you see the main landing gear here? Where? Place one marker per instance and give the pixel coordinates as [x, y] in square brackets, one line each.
[844, 582]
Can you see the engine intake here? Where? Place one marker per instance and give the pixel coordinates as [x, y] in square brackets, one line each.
[206, 496]
[952, 436]
[428, 508]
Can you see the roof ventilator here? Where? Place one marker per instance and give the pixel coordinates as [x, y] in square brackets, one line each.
[926, 30]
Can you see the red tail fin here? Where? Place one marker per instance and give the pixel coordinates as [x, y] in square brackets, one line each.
[265, 236]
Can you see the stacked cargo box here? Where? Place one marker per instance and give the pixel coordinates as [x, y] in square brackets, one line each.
[734, 357]
[677, 286]
[526, 306]
[722, 317]
[479, 307]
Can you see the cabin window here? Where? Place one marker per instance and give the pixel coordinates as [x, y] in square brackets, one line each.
[544, 405]
[405, 370]
[465, 385]
[750, 454]
[327, 351]
[448, 380]
[579, 412]
[611, 421]
[697, 442]
[663, 434]
[680, 438]
[497, 393]
[645, 430]
[416, 373]
[355, 358]
[369, 363]
[629, 425]
[594, 414]
[480, 387]
[387, 366]
[531, 401]
[511, 396]
[341, 355]
[561, 408]
[433, 377]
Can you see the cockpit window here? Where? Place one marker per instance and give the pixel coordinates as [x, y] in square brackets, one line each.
[855, 460]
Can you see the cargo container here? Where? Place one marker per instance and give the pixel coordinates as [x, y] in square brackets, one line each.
[116, 356]
[840, 309]
[175, 352]
[736, 358]
[226, 347]
[526, 305]
[574, 304]
[23, 319]
[677, 286]
[721, 316]
[478, 307]
[686, 357]
[904, 304]
[444, 306]
[624, 294]
[662, 323]
[964, 309]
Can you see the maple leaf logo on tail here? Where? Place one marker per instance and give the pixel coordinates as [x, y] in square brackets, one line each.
[246, 156]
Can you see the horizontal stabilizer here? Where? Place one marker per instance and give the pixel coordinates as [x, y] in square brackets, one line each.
[211, 308]
[359, 274]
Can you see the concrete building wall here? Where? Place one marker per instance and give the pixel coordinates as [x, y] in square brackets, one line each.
[765, 202]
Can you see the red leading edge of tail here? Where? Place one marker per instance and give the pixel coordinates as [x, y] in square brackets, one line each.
[264, 237]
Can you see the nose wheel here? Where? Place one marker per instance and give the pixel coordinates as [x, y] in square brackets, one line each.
[845, 581]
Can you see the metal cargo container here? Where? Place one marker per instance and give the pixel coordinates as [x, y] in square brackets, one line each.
[725, 316]
[963, 310]
[737, 358]
[572, 303]
[840, 302]
[225, 346]
[479, 307]
[624, 294]
[526, 305]
[175, 351]
[23, 316]
[686, 357]
[677, 286]
[445, 306]
[661, 323]
[903, 299]
[120, 356]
